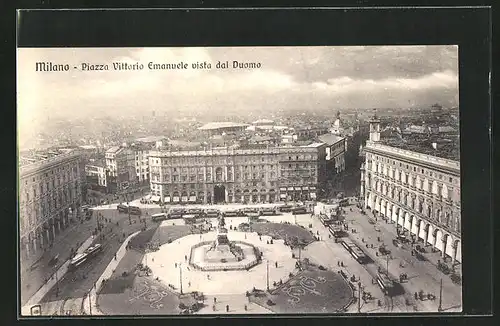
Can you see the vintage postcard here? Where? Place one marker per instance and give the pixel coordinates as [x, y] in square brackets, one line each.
[245, 180]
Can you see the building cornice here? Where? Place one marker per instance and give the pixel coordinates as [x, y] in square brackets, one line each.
[30, 169]
[429, 161]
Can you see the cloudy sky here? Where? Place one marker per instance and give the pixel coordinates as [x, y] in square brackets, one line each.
[289, 77]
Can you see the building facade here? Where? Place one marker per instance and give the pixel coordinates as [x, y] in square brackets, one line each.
[141, 154]
[335, 151]
[97, 175]
[120, 161]
[237, 175]
[50, 195]
[420, 193]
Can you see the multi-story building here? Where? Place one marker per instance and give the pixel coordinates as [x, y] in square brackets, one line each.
[419, 192]
[141, 154]
[97, 175]
[335, 151]
[120, 161]
[237, 175]
[50, 195]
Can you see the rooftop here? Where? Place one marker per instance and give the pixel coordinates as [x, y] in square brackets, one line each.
[447, 149]
[31, 161]
[30, 157]
[99, 162]
[222, 125]
[114, 149]
[263, 121]
[330, 139]
[151, 139]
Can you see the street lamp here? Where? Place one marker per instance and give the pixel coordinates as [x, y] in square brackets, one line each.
[387, 267]
[267, 268]
[440, 308]
[57, 284]
[180, 276]
[90, 302]
[128, 209]
[359, 296]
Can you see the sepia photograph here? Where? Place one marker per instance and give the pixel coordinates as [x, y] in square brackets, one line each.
[239, 180]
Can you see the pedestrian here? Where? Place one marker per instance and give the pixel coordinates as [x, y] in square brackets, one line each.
[342, 263]
[189, 283]
[227, 308]
[213, 307]
[215, 300]
[338, 263]
[276, 264]
[416, 296]
[246, 308]
[185, 257]
[115, 256]
[175, 265]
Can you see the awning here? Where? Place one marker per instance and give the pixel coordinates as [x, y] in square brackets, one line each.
[305, 188]
[184, 198]
[283, 196]
[290, 188]
[298, 189]
[166, 199]
[192, 198]
[313, 195]
[282, 189]
[176, 199]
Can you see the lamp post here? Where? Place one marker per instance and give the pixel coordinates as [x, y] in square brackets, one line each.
[387, 267]
[57, 284]
[180, 276]
[267, 269]
[359, 296]
[128, 210]
[90, 302]
[440, 307]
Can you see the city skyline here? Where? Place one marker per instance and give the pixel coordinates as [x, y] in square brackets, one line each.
[289, 77]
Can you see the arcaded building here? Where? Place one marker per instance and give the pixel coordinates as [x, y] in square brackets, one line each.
[238, 175]
[50, 194]
[419, 192]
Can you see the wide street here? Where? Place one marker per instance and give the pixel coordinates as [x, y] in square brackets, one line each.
[34, 273]
[422, 275]
[329, 253]
[74, 285]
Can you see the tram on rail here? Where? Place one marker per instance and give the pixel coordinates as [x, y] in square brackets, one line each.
[82, 258]
[355, 251]
[385, 283]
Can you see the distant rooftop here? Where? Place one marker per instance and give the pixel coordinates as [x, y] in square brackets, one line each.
[330, 139]
[88, 147]
[263, 121]
[221, 125]
[150, 139]
[113, 149]
[99, 162]
[444, 149]
[30, 157]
